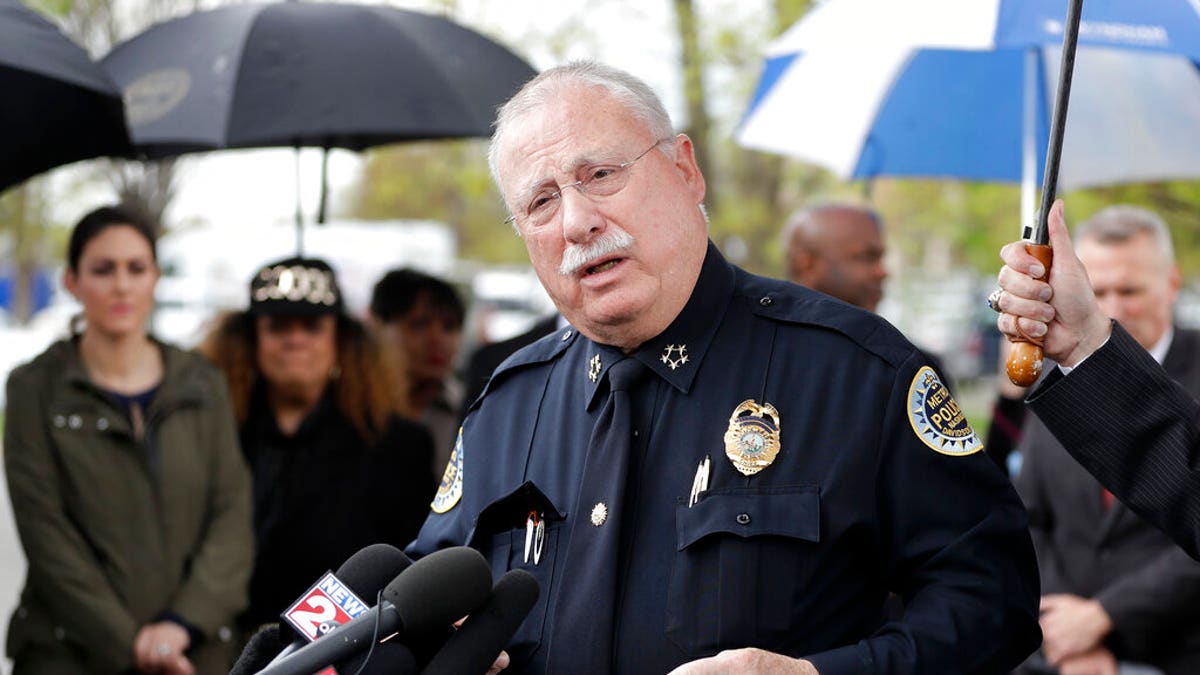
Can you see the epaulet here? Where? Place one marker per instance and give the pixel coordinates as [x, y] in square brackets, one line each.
[786, 302]
[546, 349]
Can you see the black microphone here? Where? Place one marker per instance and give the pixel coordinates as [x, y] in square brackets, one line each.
[473, 648]
[435, 592]
[364, 573]
[259, 651]
[388, 658]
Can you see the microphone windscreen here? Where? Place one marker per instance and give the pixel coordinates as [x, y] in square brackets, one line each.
[371, 568]
[259, 651]
[389, 658]
[475, 646]
[440, 588]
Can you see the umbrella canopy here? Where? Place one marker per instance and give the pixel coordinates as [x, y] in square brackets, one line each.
[946, 88]
[309, 74]
[58, 106]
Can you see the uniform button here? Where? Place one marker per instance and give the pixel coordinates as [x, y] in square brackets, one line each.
[765, 301]
[224, 634]
[60, 421]
[59, 633]
[743, 518]
[102, 423]
[566, 336]
[22, 612]
[75, 421]
[635, 433]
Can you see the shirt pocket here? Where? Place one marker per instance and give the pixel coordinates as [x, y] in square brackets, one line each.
[742, 558]
[501, 533]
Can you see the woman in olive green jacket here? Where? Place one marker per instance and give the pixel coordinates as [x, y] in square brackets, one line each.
[129, 490]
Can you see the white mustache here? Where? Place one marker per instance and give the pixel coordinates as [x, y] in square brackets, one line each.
[578, 255]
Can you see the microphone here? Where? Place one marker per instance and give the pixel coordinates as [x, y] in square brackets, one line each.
[259, 651]
[388, 658]
[363, 574]
[436, 591]
[474, 647]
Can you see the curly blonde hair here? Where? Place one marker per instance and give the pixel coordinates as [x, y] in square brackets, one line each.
[369, 388]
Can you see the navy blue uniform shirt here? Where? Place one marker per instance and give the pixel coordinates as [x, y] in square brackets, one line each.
[878, 486]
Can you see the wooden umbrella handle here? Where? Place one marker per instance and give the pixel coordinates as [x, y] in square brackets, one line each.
[1025, 357]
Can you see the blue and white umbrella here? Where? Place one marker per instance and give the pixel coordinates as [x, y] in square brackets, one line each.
[965, 89]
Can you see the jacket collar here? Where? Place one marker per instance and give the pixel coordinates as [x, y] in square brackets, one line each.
[676, 353]
[176, 385]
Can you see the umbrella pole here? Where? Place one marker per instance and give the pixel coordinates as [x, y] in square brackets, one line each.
[1025, 358]
[1028, 140]
[299, 212]
[324, 186]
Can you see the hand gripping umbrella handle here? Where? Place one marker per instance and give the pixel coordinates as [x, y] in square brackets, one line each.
[1025, 357]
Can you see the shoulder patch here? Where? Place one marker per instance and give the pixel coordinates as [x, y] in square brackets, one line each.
[936, 418]
[451, 488]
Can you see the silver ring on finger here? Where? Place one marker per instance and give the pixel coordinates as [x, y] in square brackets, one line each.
[993, 300]
[163, 649]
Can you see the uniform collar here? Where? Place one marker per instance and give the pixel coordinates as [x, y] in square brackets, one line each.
[685, 342]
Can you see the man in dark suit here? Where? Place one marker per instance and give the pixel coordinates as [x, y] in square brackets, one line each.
[1118, 413]
[1114, 588]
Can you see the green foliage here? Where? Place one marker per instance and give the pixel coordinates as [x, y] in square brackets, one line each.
[446, 181]
[59, 8]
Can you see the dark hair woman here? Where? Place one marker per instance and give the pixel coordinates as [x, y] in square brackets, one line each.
[130, 496]
[335, 465]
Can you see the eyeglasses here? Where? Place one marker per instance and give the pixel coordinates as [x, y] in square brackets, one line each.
[602, 180]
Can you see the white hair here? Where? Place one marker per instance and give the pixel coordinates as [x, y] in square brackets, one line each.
[1120, 223]
[628, 90]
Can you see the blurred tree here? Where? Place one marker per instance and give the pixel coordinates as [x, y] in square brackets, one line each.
[440, 180]
[758, 190]
[694, 64]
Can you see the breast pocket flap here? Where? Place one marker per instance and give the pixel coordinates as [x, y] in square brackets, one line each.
[793, 512]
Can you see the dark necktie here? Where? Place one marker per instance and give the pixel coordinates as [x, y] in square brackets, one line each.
[583, 623]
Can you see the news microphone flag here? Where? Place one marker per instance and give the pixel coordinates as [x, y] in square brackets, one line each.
[325, 605]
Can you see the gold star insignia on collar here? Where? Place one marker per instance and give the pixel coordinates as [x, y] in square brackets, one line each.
[594, 368]
[681, 350]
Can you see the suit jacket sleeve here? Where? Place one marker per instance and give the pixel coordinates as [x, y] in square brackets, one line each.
[216, 585]
[62, 567]
[1135, 429]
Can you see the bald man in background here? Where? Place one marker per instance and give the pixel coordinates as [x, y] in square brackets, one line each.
[837, 249]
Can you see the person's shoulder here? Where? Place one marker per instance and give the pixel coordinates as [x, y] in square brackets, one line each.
[1188, 340]
[498, 351]
[801, 308]
[531, 357]
[49, 364]
[188, 366]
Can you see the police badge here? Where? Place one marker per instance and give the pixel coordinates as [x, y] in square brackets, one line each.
[752, 440]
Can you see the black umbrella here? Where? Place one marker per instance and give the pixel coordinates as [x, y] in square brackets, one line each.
[56, 105]
[309, 74]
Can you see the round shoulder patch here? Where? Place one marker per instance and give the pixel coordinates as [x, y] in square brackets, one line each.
[937, 419]
[451, 488]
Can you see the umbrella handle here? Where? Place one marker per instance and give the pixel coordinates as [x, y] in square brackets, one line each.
[1025, 358]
